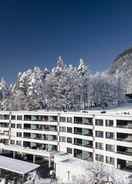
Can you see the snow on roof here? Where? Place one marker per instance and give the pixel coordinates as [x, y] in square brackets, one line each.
[71, 161]
[124, 109]
[16, 166]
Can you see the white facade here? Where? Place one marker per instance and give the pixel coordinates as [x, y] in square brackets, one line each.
[91, 135]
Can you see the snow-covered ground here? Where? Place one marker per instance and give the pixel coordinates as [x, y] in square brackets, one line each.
[44, 181]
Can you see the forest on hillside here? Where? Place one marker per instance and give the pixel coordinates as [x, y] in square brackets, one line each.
[64, 87]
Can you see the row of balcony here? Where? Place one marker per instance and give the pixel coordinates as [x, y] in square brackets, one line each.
[41, 127]
[40, 137]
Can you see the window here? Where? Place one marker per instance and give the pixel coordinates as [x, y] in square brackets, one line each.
[99, 157]
[4, 116]
[19, 117]
[99, 145]
[109, 123]
[69, 129]
[99, 122]
[13, 117]
[53, 118]
[69, 150]
[12, 141]
[99, 134]
[87, 121]
[110, 160]
[4, 124]
[62, 139]
[62, 119]
[19, 134]
[62, 129]
[18, 143]
[19, 126]
[35, 118]
[110, 147]
[69, 139]
[27, 117]
[83, 131]
[69, 119]
[78, 120]
[109, 135]
[13, 125]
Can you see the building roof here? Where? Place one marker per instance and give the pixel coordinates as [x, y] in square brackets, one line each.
[16, 166]
[21, 149]
[124, 109]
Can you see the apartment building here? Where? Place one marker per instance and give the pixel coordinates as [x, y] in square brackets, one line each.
[104, 136]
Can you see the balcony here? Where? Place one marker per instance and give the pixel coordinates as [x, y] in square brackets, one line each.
[124, 165]
[124, 150]
[41, 127]
[83, 121]
[4, 125]
[124, 124]
[40, 137]
[82, 131]
[35, 118]
[83, 155]
[124, 137]
[84, 143]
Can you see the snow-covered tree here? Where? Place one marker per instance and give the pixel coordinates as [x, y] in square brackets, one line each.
[62, 88]
[84, 74]
[98, 173]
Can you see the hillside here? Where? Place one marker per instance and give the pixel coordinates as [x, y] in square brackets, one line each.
[122, 68]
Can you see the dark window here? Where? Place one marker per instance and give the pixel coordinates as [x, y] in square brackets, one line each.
[62, 139]
[12, 125]
[69, 139]
[99, 157]
[109, 135]
[13, 117]
[69, 129]
[110, 160]
[12, 142]
[18, 143]
[109, 147]
[99, 122]
[62, 119]
[62, 129]
[69, 150]
[69, 119]
[53, 118]
[87, 121]
[4, 116]
[99, 134]
[78, 120]
[27, 117]
[19, 126]
[99, 145]
[19, 134]
[109, 123]
[19, 117]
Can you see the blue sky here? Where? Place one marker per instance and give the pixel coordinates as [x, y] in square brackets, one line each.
[36, 32]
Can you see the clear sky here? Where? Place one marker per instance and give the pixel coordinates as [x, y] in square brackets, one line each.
[36, 32]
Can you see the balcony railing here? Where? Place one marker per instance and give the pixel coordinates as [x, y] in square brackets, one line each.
[124, 139]
[84, 145]
[125, 153]
[84, 134]
[124, 126]
[41, 129]
[40, 138]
